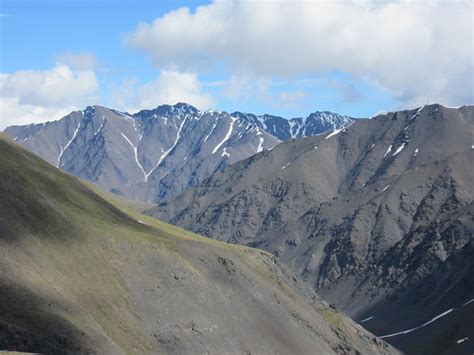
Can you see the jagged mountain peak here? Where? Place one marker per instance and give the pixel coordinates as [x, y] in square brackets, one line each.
[169, 111]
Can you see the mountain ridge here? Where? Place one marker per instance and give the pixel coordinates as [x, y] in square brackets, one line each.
[156, 154]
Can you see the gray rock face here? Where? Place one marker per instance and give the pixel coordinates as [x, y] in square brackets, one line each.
[157, 154]
[377, 216]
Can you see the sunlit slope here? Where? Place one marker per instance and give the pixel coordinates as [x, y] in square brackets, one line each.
[81, 273]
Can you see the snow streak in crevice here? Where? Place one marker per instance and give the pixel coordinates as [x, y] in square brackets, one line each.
[67, 145]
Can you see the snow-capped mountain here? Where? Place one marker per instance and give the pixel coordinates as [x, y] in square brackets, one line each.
[284, 129]
[156, 154]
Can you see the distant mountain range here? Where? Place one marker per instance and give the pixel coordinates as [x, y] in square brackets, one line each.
[378, 217]
[156, 154]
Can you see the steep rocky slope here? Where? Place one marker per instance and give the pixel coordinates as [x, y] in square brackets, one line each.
[81, 274]
[378, 217]
[157, 154]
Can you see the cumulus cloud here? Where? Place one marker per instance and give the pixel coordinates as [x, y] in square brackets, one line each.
[291, 98]
[80, 61]
[36, 96]
[170, 87]
[417, 50]
[242, 88]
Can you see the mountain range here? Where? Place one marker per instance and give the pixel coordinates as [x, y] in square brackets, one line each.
[378, 217]
[156, 154]
[376, 214]
[81, 273]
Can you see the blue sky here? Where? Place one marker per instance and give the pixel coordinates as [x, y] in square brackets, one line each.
[285, 58]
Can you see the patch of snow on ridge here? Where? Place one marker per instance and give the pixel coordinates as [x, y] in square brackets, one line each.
[333, 133]
[417, 113]
[227, 136]
[462, 340]
[470, 301]
[416, 152]
[420, 326]
[225, 153]
[100, 128]
[135, 151]
[124, 115]
[366, 319]
[385, 188]
[389, 149]
[399, 149]
[285, 166]
[260, 145]
[67, 145]
[212, 129]
[165, 154]
[292, 123]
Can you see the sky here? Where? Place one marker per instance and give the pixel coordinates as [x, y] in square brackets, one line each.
[287, 58]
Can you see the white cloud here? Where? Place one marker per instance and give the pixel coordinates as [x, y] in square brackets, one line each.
[37, 96]
[80, 61]
[241, 88]
[170, 87]
[291, 98]
[418, 50]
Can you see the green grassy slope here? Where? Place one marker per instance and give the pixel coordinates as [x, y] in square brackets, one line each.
[82, 273]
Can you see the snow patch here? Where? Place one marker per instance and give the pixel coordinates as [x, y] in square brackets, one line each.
[461, 340]
[100, 128]
[123, 114]
[260, 145]
[135, 151]
[417, 113]
[389, 149]
[67, 145]
[416, 152]
[385, 188]
[165, 154]
[225, 153]
[212, 130]
[227, 136]
[470, 301]
[285, 166]
[333, 133]
[366, 319]
[400, 148]
[420, 326]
